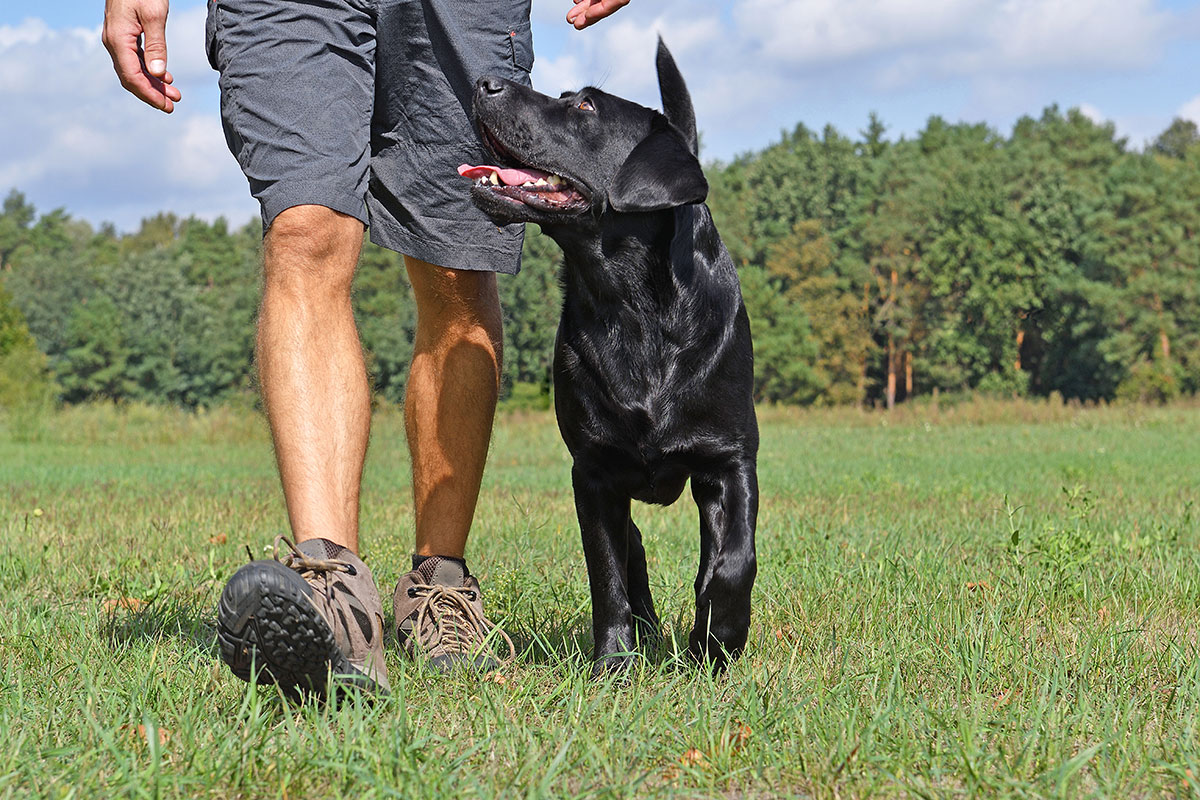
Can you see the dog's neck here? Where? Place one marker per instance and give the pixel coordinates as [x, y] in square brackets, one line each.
[623, 261]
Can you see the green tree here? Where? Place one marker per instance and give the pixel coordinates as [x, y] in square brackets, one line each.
[532, 303]
[802, 266]
[24, 374]
[387, 319]
[15, 217]
[93, 365]
[785, 352]
[1179, 137]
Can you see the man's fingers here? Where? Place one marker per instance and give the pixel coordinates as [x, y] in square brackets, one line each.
[154, 41]
[142, 84]
[169, 90]
[577, 16]
[586, 12]
[128, 64]
[162, 94]
[160, 83]
[123, 26]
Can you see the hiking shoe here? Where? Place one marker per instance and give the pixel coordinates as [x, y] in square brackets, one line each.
[439, 615]
[309, 621]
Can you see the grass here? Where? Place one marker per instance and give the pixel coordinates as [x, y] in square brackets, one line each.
[996, 599]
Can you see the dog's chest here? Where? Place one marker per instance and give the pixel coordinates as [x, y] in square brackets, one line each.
[630, 393]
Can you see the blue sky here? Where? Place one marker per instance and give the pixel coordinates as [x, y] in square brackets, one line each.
[70, 137]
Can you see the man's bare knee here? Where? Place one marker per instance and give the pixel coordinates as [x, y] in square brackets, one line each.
[312, 250]
[456, 302]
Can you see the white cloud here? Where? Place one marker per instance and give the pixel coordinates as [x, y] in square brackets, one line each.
[553, 76]
[73, 137]
[1078, 33]
[955, 36]
[1092, 113]
[618, 53]
[728, 88]
[825, 31]
[29, 31]
[762, 65]
[1190, 110]
[550, 12]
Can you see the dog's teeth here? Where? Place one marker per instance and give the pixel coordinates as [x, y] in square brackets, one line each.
[527, 183]
[494, 178]
[554, 180]
[540, 182]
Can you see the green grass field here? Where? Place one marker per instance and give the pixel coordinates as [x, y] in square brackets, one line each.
[995, 599]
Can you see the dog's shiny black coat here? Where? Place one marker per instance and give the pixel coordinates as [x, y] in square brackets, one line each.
[653, 366]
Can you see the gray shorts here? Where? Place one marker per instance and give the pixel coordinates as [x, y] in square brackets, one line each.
[363, 106]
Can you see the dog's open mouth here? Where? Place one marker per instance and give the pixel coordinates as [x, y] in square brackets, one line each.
[529, 186]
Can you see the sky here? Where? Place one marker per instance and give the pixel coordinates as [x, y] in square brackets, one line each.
[70, 137]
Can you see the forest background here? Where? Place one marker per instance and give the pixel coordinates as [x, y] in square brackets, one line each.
[1054, 261]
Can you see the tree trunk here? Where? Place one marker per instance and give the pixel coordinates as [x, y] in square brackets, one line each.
[1163, 341]
[891, 374]
[866, 356]
[1020, 341]
[891, 353]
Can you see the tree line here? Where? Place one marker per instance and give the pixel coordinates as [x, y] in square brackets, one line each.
[1054, 260]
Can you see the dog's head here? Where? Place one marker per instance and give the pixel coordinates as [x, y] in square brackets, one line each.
[585, 153]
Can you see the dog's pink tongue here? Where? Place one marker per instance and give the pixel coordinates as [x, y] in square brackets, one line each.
[509, 177]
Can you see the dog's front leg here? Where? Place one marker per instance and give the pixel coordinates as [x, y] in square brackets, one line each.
[603, 520]
[645, 619]
[728, 503]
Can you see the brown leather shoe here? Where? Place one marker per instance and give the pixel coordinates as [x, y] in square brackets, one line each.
[310, 620]
[439, 616]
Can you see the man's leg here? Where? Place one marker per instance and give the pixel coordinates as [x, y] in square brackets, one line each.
[315, 613]
[311, 370]
[451, 399]
[428, 55]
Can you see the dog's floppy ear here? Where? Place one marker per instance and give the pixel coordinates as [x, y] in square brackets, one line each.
[661, 172]
[676, 102]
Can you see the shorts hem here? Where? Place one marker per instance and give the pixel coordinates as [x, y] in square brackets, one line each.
[475, 258]
[310, 195]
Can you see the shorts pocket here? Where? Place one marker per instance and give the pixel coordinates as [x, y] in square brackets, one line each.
[211, 23]
[520, 39]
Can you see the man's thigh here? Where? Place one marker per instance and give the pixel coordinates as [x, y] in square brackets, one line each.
[297, 93]
[429, 55]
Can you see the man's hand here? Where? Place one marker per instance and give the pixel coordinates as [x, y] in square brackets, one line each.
[142, 68]
[585, 12]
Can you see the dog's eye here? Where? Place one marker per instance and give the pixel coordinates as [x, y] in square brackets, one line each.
[585, 105]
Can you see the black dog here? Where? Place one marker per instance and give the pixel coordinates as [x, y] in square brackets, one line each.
[653, 368]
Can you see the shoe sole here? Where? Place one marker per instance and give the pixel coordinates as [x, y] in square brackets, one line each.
[269, 631]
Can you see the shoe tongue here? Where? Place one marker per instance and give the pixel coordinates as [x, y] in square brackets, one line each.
[322, 549]
[440, 571]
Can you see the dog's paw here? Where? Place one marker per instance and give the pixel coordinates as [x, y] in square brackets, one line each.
[614, 665]
[648, 633]
[710, 651]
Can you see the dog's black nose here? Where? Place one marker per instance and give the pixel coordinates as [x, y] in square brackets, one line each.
[489, 85]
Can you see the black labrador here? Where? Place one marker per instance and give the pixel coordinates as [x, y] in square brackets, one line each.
[653, 367]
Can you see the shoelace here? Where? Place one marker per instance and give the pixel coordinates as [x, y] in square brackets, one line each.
[303, 564]
[449, 611]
